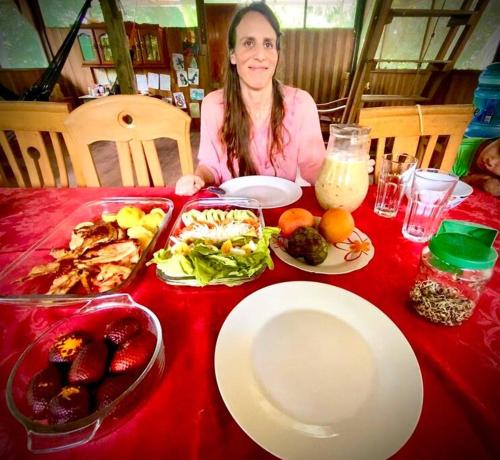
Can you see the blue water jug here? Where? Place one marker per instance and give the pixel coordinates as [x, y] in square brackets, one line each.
[486, 121]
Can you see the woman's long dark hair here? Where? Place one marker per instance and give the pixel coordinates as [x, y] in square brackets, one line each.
[236, 128]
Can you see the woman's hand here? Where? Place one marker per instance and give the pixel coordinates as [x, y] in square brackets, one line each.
[189, 184]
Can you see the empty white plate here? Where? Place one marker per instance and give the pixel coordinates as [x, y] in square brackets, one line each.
[270, 191]
[309, 370]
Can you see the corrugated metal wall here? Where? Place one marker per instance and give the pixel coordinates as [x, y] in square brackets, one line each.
[316, 60]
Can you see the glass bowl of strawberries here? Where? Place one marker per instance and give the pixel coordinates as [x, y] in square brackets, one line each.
[83, 374]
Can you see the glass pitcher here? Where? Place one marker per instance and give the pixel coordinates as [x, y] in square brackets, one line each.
[343, 180]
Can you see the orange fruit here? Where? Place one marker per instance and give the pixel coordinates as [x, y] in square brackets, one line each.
[336, 225]
[294, 218]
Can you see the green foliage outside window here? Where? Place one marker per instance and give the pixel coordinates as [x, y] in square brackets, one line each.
[20, 46]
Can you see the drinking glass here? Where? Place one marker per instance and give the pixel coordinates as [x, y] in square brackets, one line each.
[429, 194]
[395, 174]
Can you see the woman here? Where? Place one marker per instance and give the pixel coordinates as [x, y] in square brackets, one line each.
[255, 125]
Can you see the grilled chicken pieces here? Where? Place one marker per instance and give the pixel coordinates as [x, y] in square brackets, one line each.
[100, 257]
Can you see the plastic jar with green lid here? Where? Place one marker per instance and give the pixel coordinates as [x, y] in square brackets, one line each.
[453, 271]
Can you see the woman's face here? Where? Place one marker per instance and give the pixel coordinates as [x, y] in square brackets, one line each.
[489, 158]
[255, 54]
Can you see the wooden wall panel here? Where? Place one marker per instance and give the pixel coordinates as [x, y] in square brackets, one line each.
[218, 17]
[19, 80]
[76, 78]
[458, 88]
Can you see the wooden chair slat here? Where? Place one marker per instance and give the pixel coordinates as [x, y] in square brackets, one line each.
[140, 165]
[153, 163]
[425, 161]
[4, 142]
[379, 155]
[125, 162]
[63, 173]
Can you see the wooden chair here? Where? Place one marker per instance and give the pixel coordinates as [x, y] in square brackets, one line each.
[30, 137]
[418, 130]
[330, 112]
[132, 122]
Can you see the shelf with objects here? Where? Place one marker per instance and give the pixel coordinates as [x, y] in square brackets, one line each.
[165, 63]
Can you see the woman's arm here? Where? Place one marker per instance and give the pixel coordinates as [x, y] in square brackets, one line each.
[311, 146]
[486, 182]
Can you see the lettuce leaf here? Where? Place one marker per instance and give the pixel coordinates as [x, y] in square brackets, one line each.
[207, 263]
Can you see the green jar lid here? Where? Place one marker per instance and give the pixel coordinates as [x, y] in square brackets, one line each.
[464, 245]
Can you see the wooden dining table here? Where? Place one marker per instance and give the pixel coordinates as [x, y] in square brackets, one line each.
[184, 416]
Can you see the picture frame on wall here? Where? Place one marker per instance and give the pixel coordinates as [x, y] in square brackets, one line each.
[178, 61]
[194, 109]
[182, 79]
[196, 94]
[193, 76]
[180, 101]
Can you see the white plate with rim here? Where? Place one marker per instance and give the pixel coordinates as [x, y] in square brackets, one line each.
[310, 370]
[270, 191]
[350, 255]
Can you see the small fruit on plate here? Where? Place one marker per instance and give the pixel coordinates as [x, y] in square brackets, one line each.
[133, 355]
[66, 348]
[122, 329]
[294, 218]
[111, 388]
[71, 403]
[307, 243]
[89, 365]
[41, 388]
[336, 225]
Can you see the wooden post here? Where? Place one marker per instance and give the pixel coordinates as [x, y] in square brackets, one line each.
[118, 41]
[202, 40]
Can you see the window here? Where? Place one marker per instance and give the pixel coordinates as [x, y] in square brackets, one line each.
[20, 46]
[293, 14]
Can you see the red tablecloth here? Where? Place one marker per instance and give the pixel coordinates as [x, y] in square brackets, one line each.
[185, 416]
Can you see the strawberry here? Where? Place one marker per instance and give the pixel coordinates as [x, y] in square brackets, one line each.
[111, 388]
[67, 347]
[133, 355]
[120, 330]
[41, 388]
[89, 365]
[71, 403]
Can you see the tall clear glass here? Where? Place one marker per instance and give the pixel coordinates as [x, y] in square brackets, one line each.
[431, 188]
[395, 175]
[343, 180]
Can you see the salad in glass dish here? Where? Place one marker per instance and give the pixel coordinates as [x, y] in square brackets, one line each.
[216, 241]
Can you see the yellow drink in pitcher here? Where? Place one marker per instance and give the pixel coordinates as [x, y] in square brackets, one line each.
[343, 181]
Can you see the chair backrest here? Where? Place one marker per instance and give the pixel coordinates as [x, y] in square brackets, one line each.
[30, 137]
[417, 129]
[133, 122]
[329, 113]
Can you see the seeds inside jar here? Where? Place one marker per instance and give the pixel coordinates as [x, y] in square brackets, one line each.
[440, 304]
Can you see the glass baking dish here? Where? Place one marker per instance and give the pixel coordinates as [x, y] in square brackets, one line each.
[92, 320]
[13, 288]
[225, 204]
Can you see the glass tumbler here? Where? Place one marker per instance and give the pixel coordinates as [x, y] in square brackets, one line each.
[395, 174]
[429, 194]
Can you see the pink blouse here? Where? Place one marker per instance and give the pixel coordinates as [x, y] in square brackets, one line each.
[303, 149]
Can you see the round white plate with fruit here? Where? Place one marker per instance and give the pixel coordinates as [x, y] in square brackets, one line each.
[320, 245]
